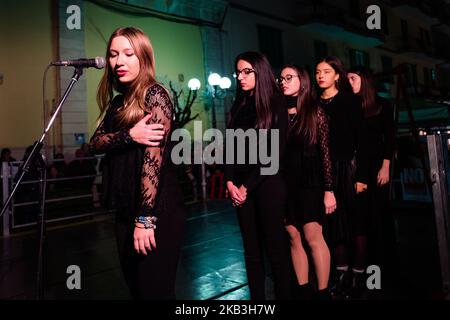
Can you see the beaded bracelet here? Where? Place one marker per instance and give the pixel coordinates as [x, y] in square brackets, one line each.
[148, 222]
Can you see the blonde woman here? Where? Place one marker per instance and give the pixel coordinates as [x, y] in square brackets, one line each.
[138, 176]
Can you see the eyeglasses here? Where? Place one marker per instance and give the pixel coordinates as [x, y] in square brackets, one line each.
[288, 78]
[245, 72]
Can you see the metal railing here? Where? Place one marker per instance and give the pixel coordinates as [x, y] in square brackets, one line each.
[439, 170]
[67, 198]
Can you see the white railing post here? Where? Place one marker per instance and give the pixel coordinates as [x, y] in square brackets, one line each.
[6, 172]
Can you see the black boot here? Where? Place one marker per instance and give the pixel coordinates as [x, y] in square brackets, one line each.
[305, 291]
[359, 286]
[340, 284]
[323, 295]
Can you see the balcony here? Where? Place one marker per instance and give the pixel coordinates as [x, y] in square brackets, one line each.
[416, 10]
[205, 11]
[413, 47]
[331, 20]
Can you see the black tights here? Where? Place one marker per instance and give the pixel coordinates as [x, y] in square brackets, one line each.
[341, 253]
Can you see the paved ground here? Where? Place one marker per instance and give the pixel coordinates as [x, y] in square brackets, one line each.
[211, 264]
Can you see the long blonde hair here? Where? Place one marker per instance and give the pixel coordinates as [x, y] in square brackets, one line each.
[134, 93]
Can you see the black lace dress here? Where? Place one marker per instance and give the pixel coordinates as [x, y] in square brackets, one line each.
[134, 175]
[141, 181]
[348, 149]
[308, 170]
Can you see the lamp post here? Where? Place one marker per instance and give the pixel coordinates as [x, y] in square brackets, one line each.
[215, 80]
[194, 84]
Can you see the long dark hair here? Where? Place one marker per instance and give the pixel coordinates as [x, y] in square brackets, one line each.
[367, 92]
[306, 106]
[342, 83]
[265, 88]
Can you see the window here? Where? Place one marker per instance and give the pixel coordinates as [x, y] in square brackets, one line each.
[426, 77]
[433, 78]
[384, 22]
[320, 49]
[404, 24]
[355, 11]
[359, 58]
[386, 65]
[425, 36]
[411, 75]
[270, 44]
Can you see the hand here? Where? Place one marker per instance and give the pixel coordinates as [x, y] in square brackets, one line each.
[360, 187]
[235, 194]
[147, 134]
[330, 202]
[144, 239]
[243, 191]
[383, 175]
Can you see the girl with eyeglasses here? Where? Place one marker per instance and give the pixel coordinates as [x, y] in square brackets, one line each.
[309, 179]
[260, 199]
[374, 204]
[346, 233]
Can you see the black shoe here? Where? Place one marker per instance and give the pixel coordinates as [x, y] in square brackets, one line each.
[359, 286]
[340, 285]
[323, 295]
[304, 291]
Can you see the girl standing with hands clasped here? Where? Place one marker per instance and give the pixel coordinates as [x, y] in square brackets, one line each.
[374, 204]
[348, 143]
[260, 199]
[309, 179]
[138, 176]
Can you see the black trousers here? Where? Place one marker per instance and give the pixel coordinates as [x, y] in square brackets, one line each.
[261, 219]
[374, 205]
[152, 277]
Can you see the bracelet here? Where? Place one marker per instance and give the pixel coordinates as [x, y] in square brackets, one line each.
[148, 222]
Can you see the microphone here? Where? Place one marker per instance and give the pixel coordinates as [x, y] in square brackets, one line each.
[97, 62]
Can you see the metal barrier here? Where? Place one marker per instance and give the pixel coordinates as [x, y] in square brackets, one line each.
[439, 166]
[26, 198]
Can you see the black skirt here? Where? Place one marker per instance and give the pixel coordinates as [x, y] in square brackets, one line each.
[305, 188]
[347, 221]
[305, 207]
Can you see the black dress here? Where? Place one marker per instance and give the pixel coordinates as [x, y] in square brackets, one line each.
[374, 204]
[348, 148]
[308, 172]
[141, 181]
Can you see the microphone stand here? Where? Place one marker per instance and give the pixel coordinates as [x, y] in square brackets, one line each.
[35, 158]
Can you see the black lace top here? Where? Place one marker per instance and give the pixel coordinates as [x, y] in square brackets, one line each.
[310, 165]
[348, 134]
[132, 172]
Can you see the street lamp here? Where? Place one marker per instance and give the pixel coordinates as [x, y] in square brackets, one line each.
[225, 83]
[215, 80]
[194, 84]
